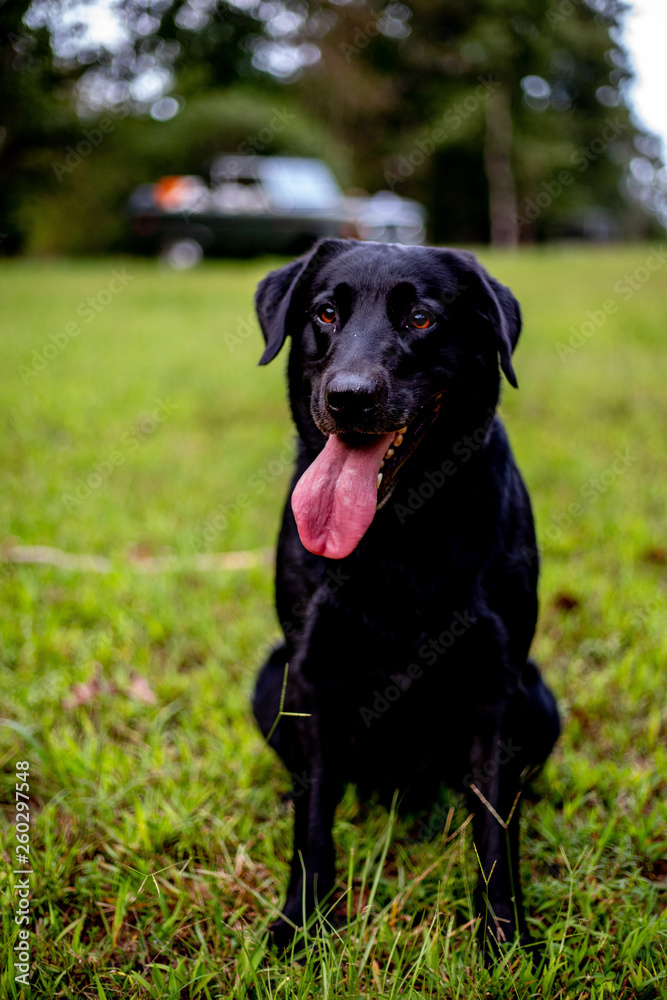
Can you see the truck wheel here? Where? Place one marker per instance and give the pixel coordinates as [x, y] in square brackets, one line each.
[182, 254]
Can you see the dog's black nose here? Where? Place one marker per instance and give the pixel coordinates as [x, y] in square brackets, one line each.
[351, 395]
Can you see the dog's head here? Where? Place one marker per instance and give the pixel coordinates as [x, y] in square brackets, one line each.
[385, 337]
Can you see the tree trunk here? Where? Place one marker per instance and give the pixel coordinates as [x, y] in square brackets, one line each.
[498, 165]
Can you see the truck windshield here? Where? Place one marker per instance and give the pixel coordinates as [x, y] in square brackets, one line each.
[296, 185]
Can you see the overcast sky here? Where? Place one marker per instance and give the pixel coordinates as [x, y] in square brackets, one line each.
[646, 38]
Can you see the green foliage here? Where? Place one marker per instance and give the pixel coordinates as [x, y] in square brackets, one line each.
[387, 91]
[37, 111]
[159, 836]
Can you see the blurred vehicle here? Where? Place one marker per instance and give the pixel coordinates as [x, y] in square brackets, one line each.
[262, 205]
[387, 218]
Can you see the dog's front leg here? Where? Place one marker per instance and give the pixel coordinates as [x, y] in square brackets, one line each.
[494, 785]
[316, 794]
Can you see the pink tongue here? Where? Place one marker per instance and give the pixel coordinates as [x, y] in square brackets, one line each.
[335, 500]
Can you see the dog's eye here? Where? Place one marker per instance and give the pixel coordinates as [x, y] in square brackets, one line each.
[420, 320]
[327, 314]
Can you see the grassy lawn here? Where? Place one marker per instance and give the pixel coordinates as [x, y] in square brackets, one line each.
[137, 425]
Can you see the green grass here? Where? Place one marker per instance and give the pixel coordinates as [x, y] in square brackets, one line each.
[180, 788]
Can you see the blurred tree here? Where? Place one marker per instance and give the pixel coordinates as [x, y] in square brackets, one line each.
[36, 114]
[478, 108]
[505, 117]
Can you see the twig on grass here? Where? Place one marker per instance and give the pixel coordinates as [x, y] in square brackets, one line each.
[281, 712]
[202, 562]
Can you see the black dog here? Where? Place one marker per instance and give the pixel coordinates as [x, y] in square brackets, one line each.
[407, 566]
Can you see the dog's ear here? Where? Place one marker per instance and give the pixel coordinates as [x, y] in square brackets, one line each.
[272, 301]
[276, 296]
[502, 311]
[493, 302]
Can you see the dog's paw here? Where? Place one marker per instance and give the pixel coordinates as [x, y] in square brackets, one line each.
[282, 934]
[495, 947]
[535, 949]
